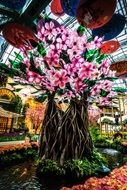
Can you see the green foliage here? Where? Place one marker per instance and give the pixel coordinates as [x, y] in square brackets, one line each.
[42, 97]
[18, 65]
[16, 105]
[65, 57]
[11, 72]
[18, 56]
[76, 168]
[80, 168]
[90, 82]
[12, 138]
[100, 58]
[104, 93]
[22, 127]
[81, 30]
[49, 167]
[33, 68]
[120, 89]
[94, 132]
[16, 156]
[41, 50]
[108, 121]
[97, 138]
[91, 55]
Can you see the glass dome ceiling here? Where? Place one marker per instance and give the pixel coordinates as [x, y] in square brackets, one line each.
[7, 51]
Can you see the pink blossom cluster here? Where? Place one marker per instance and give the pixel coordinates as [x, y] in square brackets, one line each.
[64, 66]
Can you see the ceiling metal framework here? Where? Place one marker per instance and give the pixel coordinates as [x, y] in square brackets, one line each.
[33, 9]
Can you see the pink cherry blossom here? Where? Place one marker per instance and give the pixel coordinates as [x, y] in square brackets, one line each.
[63, 41]
[26, 62]
[63, 30]
[60, 79]
[31, 73]
[74, 53]
[31, 79]
[42, 33]
[79, 85]
[71, 69]
[77, 61]
[50, 30]
[37, 80]
[86, 70]
[69, 95]
[83, 42]
[75, 43]
[56, 48]
[48, 86]
[64, 66]
[106, 84]
[96, 43]
[52, 59]
[95, 90]
[105, 66]
[96, 74]
[104, 100]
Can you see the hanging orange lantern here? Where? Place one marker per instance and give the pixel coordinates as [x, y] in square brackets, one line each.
[56, 8]
[109, 47]
[94, 14]
[19, 36]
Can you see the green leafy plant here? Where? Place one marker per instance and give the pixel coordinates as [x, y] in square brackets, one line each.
[76, 168]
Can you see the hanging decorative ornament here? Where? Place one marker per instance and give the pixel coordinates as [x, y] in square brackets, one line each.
[95, 13]
[13, 4]
[112, 29]
[19, 36]
[109, 47]
[120, 68]
[56, 8]
[70, 6]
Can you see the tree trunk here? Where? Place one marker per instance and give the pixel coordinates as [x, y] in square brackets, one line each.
[50, 128]
[66, 136]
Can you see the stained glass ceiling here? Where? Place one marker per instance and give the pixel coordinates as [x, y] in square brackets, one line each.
[7, 51]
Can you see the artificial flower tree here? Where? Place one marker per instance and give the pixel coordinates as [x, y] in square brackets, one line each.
[65, 66]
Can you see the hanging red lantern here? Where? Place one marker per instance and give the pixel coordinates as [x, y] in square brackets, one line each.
[94, 14]
[109, 47]
[19, 36]
[56, 8]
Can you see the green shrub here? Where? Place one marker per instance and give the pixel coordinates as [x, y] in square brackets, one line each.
[15, 138]
[16, 156]
[71, 168]
[49, 167]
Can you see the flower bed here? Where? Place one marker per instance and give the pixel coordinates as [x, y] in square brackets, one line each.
[117, 180]
[11, 137]
[10, 154]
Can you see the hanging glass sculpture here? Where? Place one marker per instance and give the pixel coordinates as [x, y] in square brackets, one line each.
[120, 68]
[19, 36]
[112, 29]
[94, 14]
[56, 8]
[70, 6]
[109, 47]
